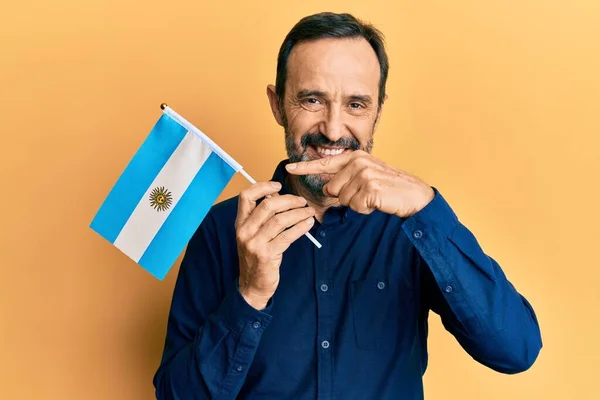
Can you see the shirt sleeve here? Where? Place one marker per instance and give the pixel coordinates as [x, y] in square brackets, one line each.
[212, 333]
[495, 324]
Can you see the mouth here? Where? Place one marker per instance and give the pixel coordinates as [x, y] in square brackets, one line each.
[324, 151]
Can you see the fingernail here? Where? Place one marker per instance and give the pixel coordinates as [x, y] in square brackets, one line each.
[310, 221]
[276, 185]
[291, 166]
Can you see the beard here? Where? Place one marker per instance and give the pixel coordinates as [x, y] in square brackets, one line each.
[299, 152]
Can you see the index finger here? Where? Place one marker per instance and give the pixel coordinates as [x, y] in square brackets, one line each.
[326, 165]
[248, 197]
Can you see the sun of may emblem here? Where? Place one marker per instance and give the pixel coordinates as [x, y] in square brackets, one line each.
[161, 198]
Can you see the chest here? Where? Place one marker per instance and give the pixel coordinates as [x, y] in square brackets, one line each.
[356, 299]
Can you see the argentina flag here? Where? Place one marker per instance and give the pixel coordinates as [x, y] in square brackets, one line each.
[164, 193]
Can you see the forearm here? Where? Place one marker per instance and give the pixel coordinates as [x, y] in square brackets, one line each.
[214, 363]
[478, 304]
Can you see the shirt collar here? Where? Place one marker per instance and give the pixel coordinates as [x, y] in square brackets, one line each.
[332, 215]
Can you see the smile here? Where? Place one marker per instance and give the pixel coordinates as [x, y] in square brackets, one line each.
[323, 151]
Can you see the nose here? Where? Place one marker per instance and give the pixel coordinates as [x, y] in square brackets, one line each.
[333, 125]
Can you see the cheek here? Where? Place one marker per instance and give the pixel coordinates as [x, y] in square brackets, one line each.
[300, 116]
[362, 130]
[302, 121]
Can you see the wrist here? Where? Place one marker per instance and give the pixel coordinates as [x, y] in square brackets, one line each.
[426, 198]
[256, 301]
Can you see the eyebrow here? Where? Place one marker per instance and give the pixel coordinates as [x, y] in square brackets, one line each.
[355, 97]
[309, 93]
[360, 97]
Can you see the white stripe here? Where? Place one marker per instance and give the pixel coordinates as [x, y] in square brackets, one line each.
[175, 176]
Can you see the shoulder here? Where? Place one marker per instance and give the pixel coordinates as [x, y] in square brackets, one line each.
[214, 239]
[218, 226]
[219, 221]
[225, 211]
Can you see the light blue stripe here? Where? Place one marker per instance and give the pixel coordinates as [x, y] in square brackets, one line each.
[147, 162]
[185, 218]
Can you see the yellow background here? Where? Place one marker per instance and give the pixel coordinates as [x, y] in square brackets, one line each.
[497, 103]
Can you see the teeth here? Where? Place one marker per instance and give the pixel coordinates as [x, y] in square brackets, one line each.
[330, 152]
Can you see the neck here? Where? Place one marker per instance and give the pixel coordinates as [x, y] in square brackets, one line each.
[319, 203]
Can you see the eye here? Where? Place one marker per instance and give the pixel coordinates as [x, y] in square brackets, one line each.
[311, 100]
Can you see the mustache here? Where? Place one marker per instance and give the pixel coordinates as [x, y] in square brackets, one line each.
[318, 139]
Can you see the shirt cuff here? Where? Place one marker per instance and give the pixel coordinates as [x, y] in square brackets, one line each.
[243, 319]
[437, 215]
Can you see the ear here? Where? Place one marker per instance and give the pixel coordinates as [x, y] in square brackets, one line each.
[274, 102]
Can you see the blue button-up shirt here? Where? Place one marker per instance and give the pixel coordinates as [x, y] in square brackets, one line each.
[349, 320]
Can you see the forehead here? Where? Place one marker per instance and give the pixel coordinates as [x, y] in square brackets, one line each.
[334, 65]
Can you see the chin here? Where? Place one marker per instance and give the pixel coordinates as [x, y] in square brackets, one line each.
[314, 183]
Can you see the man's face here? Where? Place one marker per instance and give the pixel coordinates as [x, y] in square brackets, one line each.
[330, 103]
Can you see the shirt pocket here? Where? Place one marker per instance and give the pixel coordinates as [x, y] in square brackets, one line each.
[382, 312]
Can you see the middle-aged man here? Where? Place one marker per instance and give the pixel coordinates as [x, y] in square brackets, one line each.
[259, 312]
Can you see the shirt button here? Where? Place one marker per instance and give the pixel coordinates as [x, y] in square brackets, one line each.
[380, 285]
[256, 325]
[448, 289]
[324, 288]
[325, 344]
[239, 368]
[417, 234]
[322, 234]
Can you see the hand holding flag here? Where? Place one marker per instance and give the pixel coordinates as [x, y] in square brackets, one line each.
[165, 192]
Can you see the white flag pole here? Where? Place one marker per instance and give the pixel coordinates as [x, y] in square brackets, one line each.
[228, 159]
